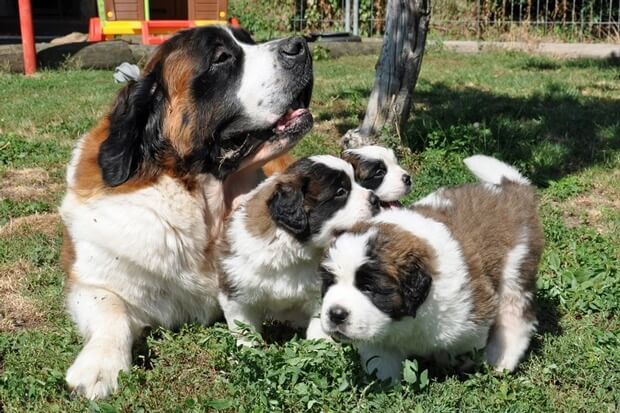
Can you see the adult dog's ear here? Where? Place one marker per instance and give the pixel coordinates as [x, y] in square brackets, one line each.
[286, 207]
[133, 131]
[415, 286]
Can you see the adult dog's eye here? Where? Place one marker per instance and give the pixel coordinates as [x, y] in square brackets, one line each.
[380, 173]
[341, 192]
[221, 56]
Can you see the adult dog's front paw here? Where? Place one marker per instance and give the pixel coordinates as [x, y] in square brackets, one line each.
[94, 375]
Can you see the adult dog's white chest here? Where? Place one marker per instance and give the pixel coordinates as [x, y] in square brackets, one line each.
[149, 247]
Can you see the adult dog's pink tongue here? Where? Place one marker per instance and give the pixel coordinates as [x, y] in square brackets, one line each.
[288, 118]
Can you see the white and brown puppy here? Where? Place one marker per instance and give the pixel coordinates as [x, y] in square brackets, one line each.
[149, 187]
[454, 273]
[275, 239]
[377, 169]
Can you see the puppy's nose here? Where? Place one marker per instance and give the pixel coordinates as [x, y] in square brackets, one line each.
[338, 315]
[407, 180]
[294, 49]
[375, 203]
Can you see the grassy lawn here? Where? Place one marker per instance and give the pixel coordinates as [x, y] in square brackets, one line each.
[558, 121]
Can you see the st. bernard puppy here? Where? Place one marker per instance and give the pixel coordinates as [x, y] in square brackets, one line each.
[377, 168]
[276, 237]
[149, 187]
[454, 273]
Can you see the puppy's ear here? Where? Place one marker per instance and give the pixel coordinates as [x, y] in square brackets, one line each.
[286, 207]
[415, 286]
[134, 127]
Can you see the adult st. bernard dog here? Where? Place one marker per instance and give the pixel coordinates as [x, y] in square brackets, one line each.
[454, 273]
[275, 239]
[149, 187]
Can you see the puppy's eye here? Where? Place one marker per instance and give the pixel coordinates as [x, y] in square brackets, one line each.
[341, 192]
[221, 56]
[380, 173]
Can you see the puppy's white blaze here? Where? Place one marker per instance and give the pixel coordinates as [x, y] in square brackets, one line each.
[512, 332]
[347, 254]
[259, 83]
[334, 163]
[488, 169]
[357, 209]
[365, 320]
[434, 200]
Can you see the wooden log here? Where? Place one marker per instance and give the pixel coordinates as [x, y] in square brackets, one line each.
[397, 72]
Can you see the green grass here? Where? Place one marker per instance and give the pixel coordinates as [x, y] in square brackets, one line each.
[556, 120]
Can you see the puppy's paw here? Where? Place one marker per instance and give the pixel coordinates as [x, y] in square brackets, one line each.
[315, 331]
[95, 375]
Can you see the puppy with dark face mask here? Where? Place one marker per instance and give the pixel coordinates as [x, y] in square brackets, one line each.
[376, 168]
[454, 273]
[275, 238]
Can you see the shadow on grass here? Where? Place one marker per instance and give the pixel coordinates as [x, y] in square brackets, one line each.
[540, 63]
[547, 135]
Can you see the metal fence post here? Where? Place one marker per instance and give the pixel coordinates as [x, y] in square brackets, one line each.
[347, 16]
[356, 17]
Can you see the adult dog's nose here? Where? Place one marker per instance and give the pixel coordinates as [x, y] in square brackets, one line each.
[338, 314]
[293, 50]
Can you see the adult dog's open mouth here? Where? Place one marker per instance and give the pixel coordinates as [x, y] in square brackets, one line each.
[297, 119]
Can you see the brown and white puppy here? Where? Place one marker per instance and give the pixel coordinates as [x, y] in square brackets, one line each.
[149, 187]
[454, 273]
[276, 237]
[377, 169]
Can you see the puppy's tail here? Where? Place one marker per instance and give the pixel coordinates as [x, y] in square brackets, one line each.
[488, 169]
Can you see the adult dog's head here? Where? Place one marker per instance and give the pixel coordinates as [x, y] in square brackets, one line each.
[212, 101]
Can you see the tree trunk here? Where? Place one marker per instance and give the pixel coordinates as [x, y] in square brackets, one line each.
[397, 71]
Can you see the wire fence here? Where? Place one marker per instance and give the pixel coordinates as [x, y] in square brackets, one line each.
[592, 20]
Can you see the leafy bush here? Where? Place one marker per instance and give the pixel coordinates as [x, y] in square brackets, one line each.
[265, 19]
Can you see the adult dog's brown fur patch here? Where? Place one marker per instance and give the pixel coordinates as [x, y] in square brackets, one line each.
[278, 165]
[177, 127]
